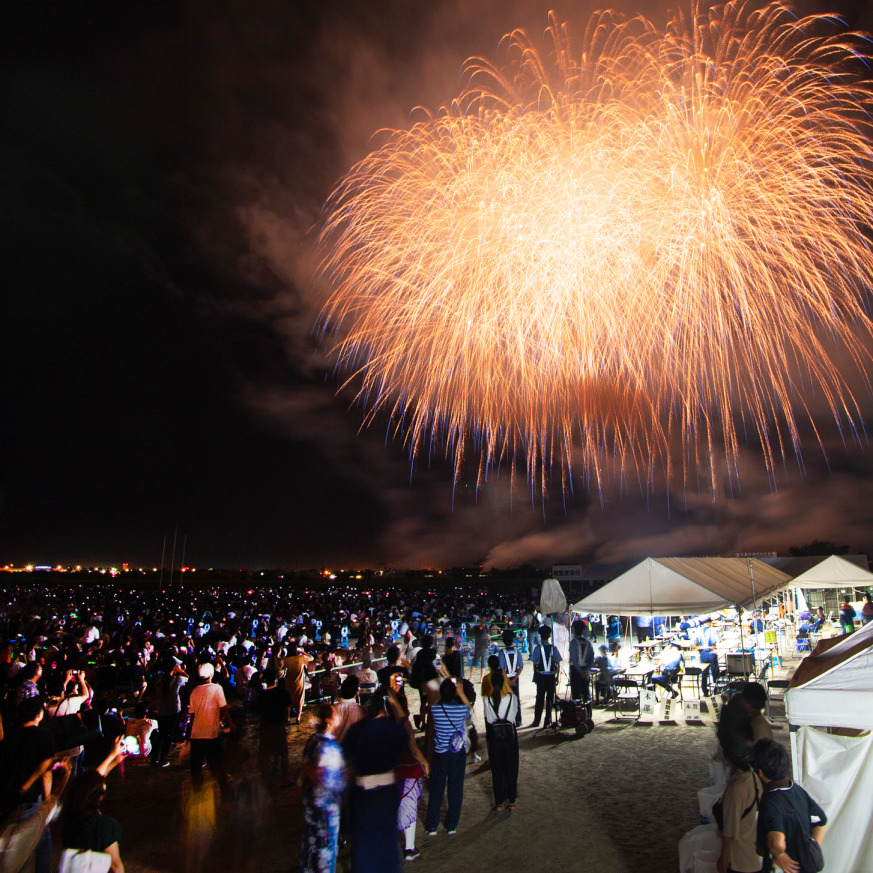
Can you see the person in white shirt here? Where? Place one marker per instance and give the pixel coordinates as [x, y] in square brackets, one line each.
[141, 728]
[76, 694]
[209, 709]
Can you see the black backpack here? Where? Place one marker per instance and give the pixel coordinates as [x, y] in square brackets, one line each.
[809, 853]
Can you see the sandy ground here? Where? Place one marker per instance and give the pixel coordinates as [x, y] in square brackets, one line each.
[616, 800]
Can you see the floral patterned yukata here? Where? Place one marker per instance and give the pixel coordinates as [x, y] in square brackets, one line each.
[321, 804]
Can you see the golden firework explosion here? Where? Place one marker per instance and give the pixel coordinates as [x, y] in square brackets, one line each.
[659, 241]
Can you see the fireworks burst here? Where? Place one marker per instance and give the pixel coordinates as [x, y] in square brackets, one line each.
[657, 241]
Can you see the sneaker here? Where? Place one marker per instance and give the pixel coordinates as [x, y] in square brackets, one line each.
[412, 854]
[451, 832]
[476, 758]
[165, 764]
[431, 833]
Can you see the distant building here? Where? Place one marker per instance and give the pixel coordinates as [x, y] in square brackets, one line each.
[583, 579]
[571, 573]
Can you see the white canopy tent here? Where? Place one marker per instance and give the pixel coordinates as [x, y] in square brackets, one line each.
[833, 689]
[833, 572]
[685, 586]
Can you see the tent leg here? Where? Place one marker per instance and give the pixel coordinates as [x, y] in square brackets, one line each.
[795, 759]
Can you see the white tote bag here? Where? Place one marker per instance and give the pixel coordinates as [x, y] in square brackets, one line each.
[84, 861]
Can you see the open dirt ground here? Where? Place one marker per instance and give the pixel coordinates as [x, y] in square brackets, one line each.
[615, 801]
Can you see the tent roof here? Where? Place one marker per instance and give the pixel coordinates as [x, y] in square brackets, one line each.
[834, 685]
[830, 654]
[833, 572]
[685, 586]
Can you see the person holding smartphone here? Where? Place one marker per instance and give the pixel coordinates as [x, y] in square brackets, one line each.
[393, 667]
[84, 826]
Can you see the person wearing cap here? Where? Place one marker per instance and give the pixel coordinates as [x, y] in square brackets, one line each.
[607, 668]
[512, 663]
[209, 709]
[671, 657]
[707, 639]
[581, 662]
[547, 664]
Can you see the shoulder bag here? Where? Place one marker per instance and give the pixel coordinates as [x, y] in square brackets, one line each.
[460, 739]
[810, 856]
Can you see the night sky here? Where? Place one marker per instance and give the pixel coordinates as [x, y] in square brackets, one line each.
[163, 169]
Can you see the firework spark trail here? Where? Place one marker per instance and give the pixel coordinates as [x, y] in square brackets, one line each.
[659, 238]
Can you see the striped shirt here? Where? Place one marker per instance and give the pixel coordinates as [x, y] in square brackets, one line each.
[448, 718]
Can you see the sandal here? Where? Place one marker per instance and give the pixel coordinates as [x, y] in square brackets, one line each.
[498, 808]
[510, 806]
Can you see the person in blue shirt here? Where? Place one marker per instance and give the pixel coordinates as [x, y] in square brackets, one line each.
[818, 621]
[512, 663]
[786, 814]
[644, 628]
[546, 660]
[581, 662]
[707, 639]
[449, 717]
[671, 658]
[847, 617]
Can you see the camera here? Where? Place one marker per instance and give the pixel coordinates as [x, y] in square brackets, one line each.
[399, 679]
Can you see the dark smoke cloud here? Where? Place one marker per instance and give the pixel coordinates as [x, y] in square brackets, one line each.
[167, 165]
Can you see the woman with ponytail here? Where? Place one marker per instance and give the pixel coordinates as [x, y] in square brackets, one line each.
[501, 709]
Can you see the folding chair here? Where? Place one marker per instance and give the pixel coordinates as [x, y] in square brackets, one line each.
[778, 685]
[667, 682]
[691, 680]
[626, 703]
[604, 687]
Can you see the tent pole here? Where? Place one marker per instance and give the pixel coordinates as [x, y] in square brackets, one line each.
[755, 610]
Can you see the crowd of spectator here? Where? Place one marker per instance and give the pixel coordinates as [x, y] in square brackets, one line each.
[89, 675]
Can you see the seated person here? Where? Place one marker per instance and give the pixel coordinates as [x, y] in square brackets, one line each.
[618, 662]
[671, 658]
[707, 639]
[805, 625]
[603, 686]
